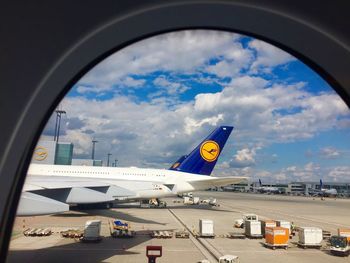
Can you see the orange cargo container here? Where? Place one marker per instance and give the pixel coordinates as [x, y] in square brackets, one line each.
[344, 232]
[267, 223]
[277, 236]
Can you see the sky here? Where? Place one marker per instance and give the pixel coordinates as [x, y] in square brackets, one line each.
[155, 100]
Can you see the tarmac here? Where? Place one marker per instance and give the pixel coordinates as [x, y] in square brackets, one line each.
[328, 214]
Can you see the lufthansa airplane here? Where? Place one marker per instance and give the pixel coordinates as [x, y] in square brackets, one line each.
[52, 188]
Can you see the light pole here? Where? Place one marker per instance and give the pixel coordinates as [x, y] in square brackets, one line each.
[115, 162]
[108, 154]
[54, 137]
[58, 120]
[93, 149]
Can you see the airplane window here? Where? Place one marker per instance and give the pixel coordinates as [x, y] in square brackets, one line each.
[172, 102]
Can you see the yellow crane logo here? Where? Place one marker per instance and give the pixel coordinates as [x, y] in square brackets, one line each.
[209, 151]
[40, 153]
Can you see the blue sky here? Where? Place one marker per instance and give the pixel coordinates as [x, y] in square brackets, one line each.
[152, 101]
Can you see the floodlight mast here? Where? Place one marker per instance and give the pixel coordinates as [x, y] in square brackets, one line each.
[58, 124]
[93, 149]
[108, 155]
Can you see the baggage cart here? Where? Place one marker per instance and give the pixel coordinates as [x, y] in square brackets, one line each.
[276, 237]
[206, 228]
[252, 229]
[310, 237]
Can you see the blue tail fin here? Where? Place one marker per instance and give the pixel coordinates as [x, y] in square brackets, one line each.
[203, 158]
[260, 182]
[178, 162]
[321, 183]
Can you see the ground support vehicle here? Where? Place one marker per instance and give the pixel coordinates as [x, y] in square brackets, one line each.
[339, 246]
[182, 234]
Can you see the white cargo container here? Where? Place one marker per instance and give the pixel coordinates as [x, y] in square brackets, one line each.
[188, 200]
[206, 228]
[285, 224]
[195, 200]
[92, 230]
[310, 236]
[252, 228]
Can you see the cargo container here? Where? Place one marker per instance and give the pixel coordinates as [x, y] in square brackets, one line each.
[188, 200]
[206, 228]
[195, 200]
[344, 232]
[310, 237]
[252, 229]
[285, 224]
[92, 230]
[276, 237]
[267, 223]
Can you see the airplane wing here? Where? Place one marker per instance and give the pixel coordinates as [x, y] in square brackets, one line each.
[216, 182]
[57, 182]
[52, 194]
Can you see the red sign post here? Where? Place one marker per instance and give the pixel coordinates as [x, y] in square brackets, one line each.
[153, 252]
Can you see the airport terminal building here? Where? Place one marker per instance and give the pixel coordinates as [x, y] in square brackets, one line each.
[60, 153]
[293, 188]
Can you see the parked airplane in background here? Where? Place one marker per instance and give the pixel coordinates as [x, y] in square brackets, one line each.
[266, 189]
[323, 191]
[52, 188]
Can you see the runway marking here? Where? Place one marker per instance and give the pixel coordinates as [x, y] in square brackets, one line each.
[108, 249]
[207, 253]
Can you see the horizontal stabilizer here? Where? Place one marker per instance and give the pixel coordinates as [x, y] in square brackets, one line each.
[80, 195]
[32, 204]
[216, 182]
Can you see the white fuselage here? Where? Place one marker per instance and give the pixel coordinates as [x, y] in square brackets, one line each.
[147, 183]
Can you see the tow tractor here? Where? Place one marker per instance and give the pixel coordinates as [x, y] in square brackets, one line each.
[229, 259]
[155, 202]
[339, 246]
[152, 203]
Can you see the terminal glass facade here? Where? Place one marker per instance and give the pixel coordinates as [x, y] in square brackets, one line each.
[64, 153]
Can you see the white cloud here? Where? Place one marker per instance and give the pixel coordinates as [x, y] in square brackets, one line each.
[171, 88]
[268, 56]
[339, 174]
[191, 124]
[311, 167]
[309, 172]
[291, 168]
[131, 82]
[244, 158]
[329, 153]
[183, 51]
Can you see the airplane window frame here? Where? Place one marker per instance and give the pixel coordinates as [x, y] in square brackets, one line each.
[279, 24]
